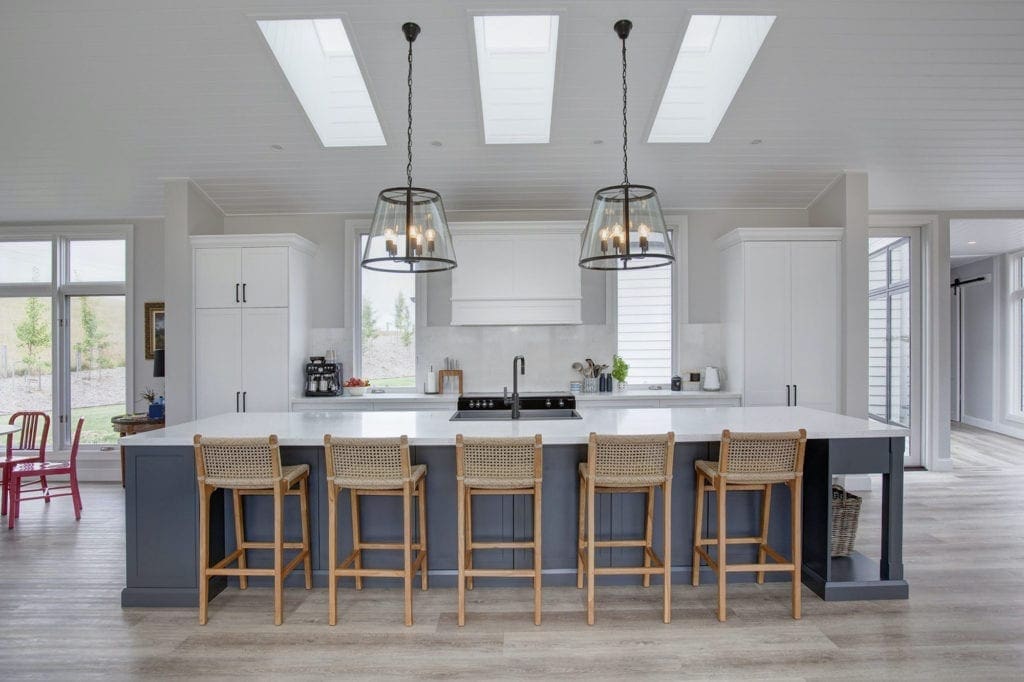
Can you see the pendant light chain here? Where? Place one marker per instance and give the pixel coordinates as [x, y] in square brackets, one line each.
[408, 167]
[625, 134]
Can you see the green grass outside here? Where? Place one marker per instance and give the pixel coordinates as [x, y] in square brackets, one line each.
[97, 428]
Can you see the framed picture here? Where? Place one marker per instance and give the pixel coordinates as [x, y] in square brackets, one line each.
[154, 327]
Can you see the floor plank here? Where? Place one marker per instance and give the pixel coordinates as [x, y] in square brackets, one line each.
[964, 547]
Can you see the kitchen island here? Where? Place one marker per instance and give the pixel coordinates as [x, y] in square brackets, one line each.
[162, 513]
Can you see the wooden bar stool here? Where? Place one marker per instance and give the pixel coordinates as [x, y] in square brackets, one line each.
[751, 461]
[250, 466]
[626, 464]
[498, 466]
[375, 466]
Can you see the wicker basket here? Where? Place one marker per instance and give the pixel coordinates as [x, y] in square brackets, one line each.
[845, 515]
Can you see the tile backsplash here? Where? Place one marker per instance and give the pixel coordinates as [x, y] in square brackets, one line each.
[486, 353]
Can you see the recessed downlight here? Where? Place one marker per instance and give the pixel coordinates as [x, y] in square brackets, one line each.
[598, 142]
[971, 243]
[437, 143]
[757, 140]
[276, 147]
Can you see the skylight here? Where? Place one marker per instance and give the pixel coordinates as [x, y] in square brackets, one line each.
[320, 65]
[515, 58]
[715, 55]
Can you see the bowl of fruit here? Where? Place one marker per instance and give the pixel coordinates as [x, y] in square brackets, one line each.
[356, 386]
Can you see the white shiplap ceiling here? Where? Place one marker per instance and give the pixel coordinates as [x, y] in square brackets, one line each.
[103, 98]
[971, 240]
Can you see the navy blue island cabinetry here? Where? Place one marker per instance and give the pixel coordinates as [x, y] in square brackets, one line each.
[162, 509]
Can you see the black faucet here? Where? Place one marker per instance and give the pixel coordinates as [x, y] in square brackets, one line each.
[514, 401]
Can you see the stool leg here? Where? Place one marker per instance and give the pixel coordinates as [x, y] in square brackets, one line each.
[243, 581]
[76, 495]
[720, 492]
[537, 561]
[332, 553]
[307, 563]
[796, 530]
[698, 529]
[14, 483]
[204, 552]
[667, 555]
[423, 531]
[591, 533]
[469, 537]
[648, 534]
[357, 541]
[766, 508]
[407, 549]
[278, 554]
[462, 552]
[581, 534]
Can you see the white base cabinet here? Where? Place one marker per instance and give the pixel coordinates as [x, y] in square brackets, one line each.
[780, 313]
[251, 321]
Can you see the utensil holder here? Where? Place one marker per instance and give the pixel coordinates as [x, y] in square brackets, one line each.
[590, 385]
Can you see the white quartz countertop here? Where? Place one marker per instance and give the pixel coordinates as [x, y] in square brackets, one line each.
[690, 424]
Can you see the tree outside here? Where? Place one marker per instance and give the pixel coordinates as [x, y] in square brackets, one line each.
[33, 334]
[403, 320]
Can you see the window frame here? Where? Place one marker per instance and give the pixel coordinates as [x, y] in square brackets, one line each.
[1014, 298]
[886, 292]
[356, 307]
[678, 229]
[60, 290]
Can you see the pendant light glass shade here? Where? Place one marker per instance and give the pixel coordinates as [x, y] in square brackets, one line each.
[626, 230]
[409, 233]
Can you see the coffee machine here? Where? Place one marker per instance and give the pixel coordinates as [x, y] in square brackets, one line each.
[322, 378]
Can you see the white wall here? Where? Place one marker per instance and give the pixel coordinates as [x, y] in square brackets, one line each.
[550, 350]
[149, 287]
[188, 212]
[844, 204]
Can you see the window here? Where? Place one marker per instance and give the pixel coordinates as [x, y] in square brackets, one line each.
[515, 58]
[320, 65]
[1016, 298]
[889, 330]
[64, 332]
[644, 323]
[713, 59]
[386, 349]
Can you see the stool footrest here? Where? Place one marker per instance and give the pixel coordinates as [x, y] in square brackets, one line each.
[499, 573]
[384, 546]
[500, 491]
[500, 545]
[732, 541]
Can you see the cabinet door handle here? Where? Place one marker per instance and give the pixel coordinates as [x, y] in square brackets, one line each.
[244, 393]
[243, 293]
[787, 395]
[794, 395]
[237, 395]
[236, 294]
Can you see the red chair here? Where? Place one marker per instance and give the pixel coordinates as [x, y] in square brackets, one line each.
[43, 469]
[31, 448]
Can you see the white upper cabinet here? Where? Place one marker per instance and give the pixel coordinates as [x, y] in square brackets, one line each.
[780, 315]
[265, 276]
[239, 276]
[218, 277]
[516, 274]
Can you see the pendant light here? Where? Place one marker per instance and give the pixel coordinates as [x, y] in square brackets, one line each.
[626, 229]
[409, 232]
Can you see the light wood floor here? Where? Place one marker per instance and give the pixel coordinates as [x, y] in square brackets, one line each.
[60, 616]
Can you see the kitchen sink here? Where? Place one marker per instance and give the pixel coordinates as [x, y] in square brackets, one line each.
[506, 415]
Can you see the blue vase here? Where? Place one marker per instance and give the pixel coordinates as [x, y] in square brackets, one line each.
[156, 411]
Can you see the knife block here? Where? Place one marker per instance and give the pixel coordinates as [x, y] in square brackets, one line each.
[441, 374]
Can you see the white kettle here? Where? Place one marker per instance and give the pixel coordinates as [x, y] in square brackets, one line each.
[712, 379]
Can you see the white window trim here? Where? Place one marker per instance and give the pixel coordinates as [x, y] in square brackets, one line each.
[353, 308]
[1014, 293]
[679, 226]
[57, 290]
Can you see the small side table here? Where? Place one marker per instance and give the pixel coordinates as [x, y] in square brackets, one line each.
[131, 424]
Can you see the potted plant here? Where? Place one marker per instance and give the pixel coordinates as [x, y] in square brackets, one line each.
[356, 386]
[620, 370]
[156, 408]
